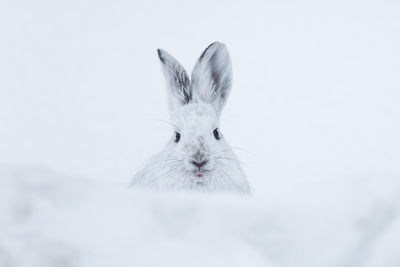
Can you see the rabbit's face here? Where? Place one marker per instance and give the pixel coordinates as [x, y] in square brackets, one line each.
[197, 141]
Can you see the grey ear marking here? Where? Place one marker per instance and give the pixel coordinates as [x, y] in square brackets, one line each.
[160, 55]
[179, 88]
[212, 75]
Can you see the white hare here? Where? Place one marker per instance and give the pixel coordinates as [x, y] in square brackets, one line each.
[197, 157]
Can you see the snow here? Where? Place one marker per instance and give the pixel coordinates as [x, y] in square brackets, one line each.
[313, 117]
[53, 220]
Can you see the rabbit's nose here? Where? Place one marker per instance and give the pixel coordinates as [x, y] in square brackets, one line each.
[199, 164]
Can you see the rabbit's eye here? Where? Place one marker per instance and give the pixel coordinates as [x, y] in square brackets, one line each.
[177, 137]
[216, 134]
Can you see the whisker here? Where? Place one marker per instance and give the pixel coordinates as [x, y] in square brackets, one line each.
[165, 121]
[244, 150]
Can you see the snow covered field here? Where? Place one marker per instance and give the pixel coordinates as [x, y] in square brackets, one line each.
[313, 115]
[53, 220]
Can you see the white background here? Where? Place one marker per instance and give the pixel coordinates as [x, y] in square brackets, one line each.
[316, 86]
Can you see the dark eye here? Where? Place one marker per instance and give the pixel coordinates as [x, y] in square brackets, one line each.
[177, 137]
[216, 134]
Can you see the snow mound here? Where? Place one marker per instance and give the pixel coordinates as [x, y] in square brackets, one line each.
[48, 219]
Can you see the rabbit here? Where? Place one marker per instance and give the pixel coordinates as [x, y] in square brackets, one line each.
[197, 157]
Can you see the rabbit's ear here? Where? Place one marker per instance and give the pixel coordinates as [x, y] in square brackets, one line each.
[179, 89]
[212, 75]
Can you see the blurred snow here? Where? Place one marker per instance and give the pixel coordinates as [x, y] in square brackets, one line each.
[313, 116]
[52, 220]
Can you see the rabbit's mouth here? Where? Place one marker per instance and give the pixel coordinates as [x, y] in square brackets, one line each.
[199, 173]
[199, 163]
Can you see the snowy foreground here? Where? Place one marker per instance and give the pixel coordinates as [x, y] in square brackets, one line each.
[47, 219]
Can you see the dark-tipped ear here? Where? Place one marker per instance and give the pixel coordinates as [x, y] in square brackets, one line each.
[178, 83]
[212, 75]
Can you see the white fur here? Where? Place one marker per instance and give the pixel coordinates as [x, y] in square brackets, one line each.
[195, 111]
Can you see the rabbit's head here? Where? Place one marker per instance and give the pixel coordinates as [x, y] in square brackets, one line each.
[197, 154]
